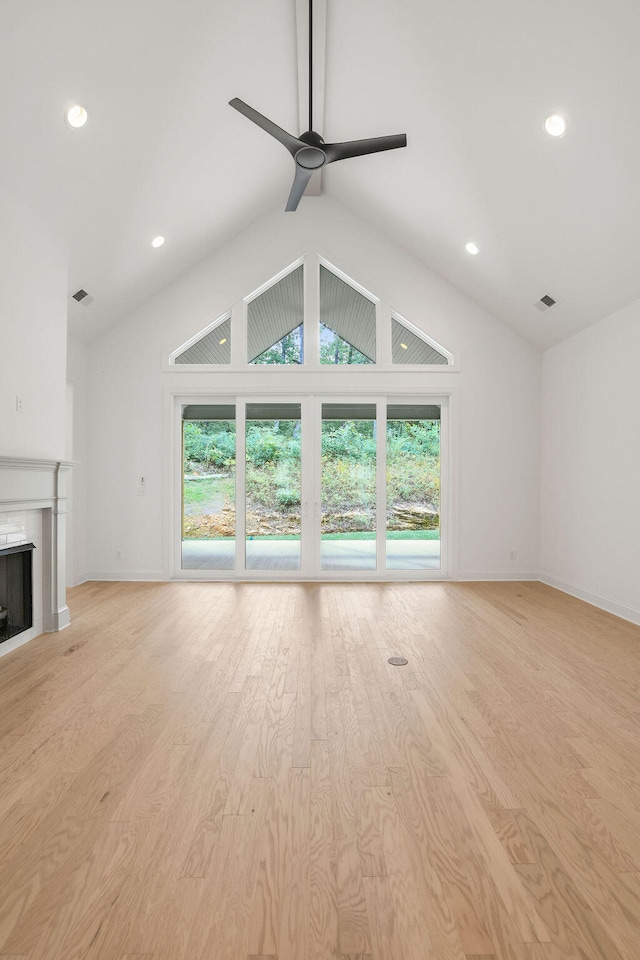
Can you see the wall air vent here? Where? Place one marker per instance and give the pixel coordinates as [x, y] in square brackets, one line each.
[544, 303]
[81, 296]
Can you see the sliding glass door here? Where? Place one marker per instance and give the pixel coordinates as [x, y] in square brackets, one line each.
[209, 487]
[273, 486]
[413, 487]
[311, 487]
[348, 518]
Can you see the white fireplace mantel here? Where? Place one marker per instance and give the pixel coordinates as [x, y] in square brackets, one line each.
[34, 484]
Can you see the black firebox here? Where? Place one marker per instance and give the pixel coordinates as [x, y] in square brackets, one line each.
[16, 597]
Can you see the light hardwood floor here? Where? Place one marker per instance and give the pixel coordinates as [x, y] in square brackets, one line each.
[223, 771]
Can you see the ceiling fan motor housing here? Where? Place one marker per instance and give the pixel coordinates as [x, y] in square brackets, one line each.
[312, 157]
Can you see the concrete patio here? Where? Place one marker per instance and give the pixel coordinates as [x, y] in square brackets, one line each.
[356, 555]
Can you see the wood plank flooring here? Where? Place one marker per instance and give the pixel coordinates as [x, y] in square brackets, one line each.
[234, 772]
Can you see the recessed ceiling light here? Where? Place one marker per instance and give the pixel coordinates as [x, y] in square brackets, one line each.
[157, 242]
[555, 125]
[404, 346]
[224, 340]
[471, 248]
[76, 116]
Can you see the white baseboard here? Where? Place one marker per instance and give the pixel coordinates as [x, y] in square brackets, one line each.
[500, 575]
[61, 619]
[155, 575]
[128, 575]
[595, 599]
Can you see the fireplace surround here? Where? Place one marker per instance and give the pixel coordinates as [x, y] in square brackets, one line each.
[34, 507]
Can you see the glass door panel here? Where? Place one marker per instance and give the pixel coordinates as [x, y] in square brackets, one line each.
[413, 487]
[273, 486]
[208, 486]
[348, 487]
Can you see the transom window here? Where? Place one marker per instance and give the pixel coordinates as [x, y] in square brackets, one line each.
[346, 328]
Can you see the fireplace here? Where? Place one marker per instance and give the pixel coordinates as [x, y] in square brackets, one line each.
[16, 596]
[33, 515]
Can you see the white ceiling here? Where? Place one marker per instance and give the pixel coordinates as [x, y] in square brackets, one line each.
[469, 82]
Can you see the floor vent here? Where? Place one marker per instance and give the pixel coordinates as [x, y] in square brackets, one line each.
[544, 303]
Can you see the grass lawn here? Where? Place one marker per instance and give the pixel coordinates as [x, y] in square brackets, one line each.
[391, 535]
[364, 535]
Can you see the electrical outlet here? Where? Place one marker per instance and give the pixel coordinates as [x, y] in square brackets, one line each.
[512, 555]
[118, 554]
[141, 491]
[18, 404]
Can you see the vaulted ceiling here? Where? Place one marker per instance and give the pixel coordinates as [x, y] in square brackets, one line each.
[470, 83]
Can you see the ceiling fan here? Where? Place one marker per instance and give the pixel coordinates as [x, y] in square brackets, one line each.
[309, 150]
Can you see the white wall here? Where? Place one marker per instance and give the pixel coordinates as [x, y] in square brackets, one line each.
[495, 396]
[33, 335]
[78, 450]
[591, 464]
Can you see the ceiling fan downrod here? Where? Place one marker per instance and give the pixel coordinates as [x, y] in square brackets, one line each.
[310, 65]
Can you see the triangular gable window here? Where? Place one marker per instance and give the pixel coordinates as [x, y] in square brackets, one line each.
[349, 317]
[212, 347]
[347, 322]
[275, 322]
[409, 346]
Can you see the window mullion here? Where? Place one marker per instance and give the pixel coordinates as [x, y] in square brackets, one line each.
[311, 312]
[381, 485]
[383, 334]
[238, 335]
[241, 472]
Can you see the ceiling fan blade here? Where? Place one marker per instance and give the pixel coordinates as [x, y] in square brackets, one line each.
[358, 148]
[300, 182]
[290, 142]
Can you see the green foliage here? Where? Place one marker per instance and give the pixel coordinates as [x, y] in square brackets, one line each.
[274, 485]
[285, 497]
[273, 476]
[391, 535]
[413, 462]
[348, 485]
[196, 441]
[270, 441]
[333, 349]
[353, 441]
[416, 438]
[263, 446]
[413, 480]
[288, 350]
[210, 442]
